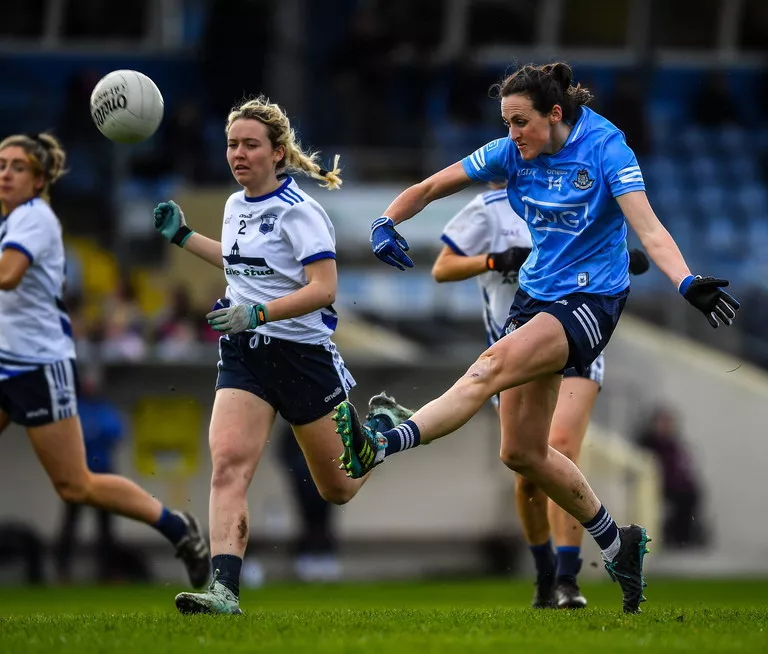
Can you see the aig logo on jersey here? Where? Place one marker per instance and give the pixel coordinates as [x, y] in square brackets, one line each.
[583, 181]
[267, 223]
[565, 217]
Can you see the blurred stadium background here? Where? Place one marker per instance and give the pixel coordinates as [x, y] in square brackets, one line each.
[399, 89]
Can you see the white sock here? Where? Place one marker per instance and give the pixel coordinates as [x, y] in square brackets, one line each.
[610, 552]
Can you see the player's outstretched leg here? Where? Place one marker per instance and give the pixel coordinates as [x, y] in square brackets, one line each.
[626, 568]
[217, 599]
[364, 446]
[193, 551]
[385, 413]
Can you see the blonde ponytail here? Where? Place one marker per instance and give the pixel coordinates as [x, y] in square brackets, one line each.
[280, 133]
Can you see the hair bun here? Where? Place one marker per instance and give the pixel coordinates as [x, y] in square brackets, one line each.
[563, 74]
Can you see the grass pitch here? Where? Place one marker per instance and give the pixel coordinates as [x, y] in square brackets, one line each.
[449, 617]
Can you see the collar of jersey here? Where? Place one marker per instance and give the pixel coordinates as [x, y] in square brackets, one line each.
[277, 191]
[576, 133]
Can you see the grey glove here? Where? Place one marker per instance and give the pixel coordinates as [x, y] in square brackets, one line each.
[237, 318]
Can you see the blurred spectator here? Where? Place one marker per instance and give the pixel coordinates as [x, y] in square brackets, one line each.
[177, 334]
[122, 334]
[713, 105]
[683, 522]
[627, 108]
[361, 68]
[19, 541]
[316, 549]
[180, 150]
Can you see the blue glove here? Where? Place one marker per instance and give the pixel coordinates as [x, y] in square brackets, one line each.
[708, 296]
[170, 222]
[388, 245]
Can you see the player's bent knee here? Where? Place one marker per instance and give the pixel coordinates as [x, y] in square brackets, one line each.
[520, 459]
[74, 491]
[336, 494]
[481, 377]
[229, 473]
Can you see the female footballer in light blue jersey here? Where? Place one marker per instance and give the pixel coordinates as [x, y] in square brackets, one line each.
[574, 180]
[489, 241]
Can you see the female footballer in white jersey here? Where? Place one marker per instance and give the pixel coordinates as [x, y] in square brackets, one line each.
[489, 241]
[38, 376]
[572, 177]
[278, 254]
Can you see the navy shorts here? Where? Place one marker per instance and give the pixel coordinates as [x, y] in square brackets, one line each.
[588, 320]
[303, 382]
[37, 397]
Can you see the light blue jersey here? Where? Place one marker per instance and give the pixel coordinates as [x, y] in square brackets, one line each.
[568, 200]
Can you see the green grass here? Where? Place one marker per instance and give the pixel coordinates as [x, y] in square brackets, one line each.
[454, 617]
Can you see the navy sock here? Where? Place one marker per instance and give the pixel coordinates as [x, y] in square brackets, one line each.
[604, 530]
[171, 525]
[544, 558]
[403, 437]
[568, 561]
[229, 567]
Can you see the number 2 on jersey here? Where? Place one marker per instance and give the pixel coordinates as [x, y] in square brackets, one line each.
[242, 227]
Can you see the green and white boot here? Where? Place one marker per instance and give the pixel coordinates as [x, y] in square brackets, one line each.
[218, 599]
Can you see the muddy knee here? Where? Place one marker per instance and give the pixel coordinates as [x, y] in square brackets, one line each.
[229, 474]
[520, 459]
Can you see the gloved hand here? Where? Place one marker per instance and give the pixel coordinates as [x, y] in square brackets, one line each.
[511, 260]
[169, 221]
[388, 245]
[237, 318]
[708, 296]
[638, 262]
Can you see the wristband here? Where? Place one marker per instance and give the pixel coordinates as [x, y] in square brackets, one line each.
[683, 288]
[181, 235]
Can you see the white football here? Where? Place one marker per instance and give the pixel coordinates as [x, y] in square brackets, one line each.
[126, 106]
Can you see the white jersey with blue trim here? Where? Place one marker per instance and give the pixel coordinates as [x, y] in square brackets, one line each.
[489, 224]
[34, 326]
[266, 242]
[568, 200]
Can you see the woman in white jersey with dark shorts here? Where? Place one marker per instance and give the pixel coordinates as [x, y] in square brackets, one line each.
[38, 374]
[278, 254]
[491, 242]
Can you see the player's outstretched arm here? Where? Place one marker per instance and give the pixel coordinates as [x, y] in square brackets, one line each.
[704, 293]
[387, 244]
[170, 222]
[453, 267]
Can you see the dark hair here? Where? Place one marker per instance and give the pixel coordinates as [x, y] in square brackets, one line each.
[546, 86]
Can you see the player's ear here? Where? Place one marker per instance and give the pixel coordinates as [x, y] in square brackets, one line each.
[556, 114]
[279, 154]
[39, 182]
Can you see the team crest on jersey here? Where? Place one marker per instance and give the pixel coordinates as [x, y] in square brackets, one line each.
[583, 181]
[267, 223]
